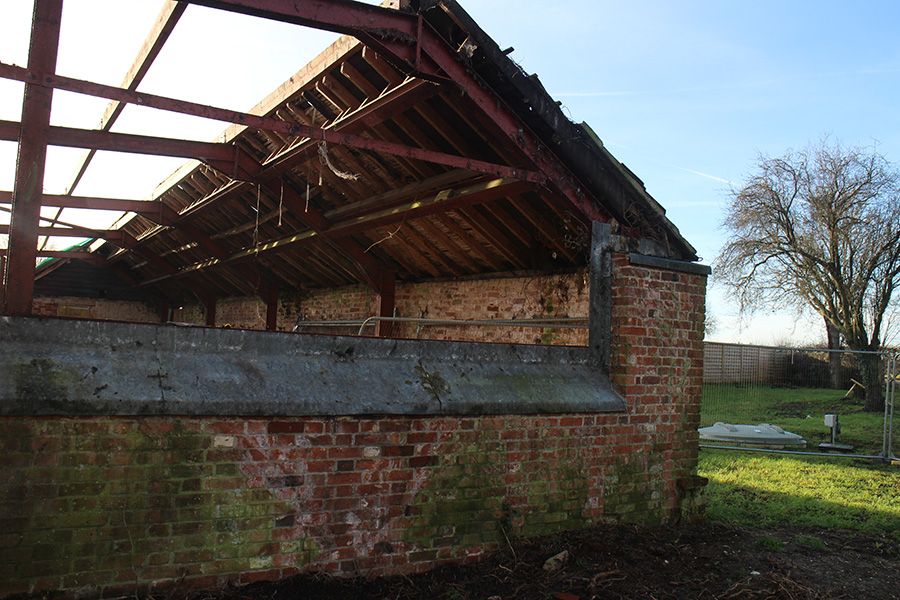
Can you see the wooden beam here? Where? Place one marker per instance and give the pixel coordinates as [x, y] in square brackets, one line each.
[442, 201]
[336, 233]
[402, 39]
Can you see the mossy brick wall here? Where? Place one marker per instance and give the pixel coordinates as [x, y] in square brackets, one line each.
[105, 505]
[657, 363]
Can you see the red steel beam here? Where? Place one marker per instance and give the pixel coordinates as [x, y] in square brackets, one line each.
[150, 49]
[116, 236]
[18, 279]
[366, 22]
[398, 37]
[265, 123]
[153, 210]
[126, 142]
[85, 256]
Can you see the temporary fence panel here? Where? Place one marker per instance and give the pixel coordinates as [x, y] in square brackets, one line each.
[794, 389]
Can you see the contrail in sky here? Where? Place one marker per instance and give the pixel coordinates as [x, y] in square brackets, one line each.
[707, 175]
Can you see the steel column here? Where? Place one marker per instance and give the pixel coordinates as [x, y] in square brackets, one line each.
[18, 279]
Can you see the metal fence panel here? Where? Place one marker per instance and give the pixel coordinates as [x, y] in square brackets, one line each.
[794, 389]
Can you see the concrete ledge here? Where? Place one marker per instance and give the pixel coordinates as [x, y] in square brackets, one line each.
[60, 367]
[669, 264]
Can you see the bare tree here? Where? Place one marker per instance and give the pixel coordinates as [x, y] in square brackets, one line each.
[820, 229]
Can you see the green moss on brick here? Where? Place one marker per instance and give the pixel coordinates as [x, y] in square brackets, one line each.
[108, 495]
[633, 493]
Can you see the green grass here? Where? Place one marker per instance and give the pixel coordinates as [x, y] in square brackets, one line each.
[771, 544]
[798, 410]
[762, 490]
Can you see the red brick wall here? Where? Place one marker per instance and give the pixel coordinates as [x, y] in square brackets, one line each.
[499, 298]
[94, 503]
[657, 357]
[106, 504]
[94, 308]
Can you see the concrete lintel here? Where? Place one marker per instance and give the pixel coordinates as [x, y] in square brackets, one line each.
[669, 264]
[58, 367]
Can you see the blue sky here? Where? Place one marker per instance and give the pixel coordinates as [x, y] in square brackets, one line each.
[687, 94]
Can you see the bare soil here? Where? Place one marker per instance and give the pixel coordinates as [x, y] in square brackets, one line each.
[634, 563]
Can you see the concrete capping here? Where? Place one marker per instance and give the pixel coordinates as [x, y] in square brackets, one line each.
[62, 367]
[669, 264]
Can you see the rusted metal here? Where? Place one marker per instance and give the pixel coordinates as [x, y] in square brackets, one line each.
[127, 142]
[395, 35]
[153, 210]
[75, 137]
[340, 16]
[116, 236]
[153, 44]
[159, 33]
[72, 254]
[32, 137]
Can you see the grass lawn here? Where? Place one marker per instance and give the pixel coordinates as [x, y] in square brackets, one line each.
[766, 490]
[798, 410]
[754, 489]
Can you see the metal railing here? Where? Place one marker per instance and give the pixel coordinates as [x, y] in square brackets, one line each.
[568, 322]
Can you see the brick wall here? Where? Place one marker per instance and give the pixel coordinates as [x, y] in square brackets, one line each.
[95, 308]
[100, 505]
[657, 357]
[498, 298]
[97, 502]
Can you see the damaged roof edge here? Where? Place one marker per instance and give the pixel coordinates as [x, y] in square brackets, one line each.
[575, 145]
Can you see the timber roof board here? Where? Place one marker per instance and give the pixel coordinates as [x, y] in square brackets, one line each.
[318, 213]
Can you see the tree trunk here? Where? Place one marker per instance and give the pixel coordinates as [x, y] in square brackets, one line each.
[870, 367]
[835, 358]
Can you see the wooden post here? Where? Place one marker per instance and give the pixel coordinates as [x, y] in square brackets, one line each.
[271, 299]
[600, 308]
[384, 306]
[210, 304]
[162, 305]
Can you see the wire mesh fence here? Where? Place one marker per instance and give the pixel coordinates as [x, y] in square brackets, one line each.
[812, 400]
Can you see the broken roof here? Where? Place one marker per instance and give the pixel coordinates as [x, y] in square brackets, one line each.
[413, 146]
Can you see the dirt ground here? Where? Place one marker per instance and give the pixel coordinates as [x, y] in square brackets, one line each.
[622, 561]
